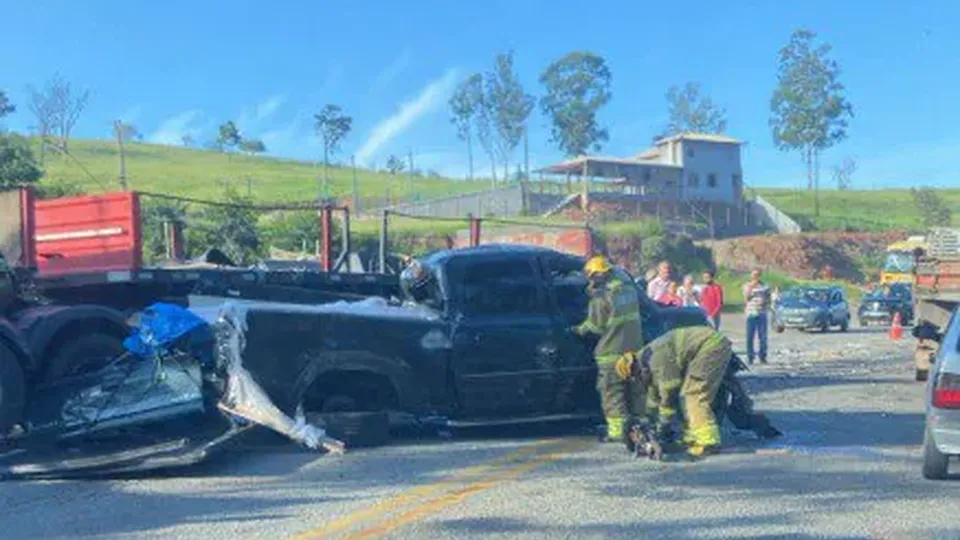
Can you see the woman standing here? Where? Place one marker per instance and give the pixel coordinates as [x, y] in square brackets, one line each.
[689, 293]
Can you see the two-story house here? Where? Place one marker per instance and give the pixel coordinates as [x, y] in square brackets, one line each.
[689, 166]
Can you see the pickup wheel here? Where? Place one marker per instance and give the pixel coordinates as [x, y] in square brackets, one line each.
[82, 354]
[352, 407]
[845, 325]
[13, 389]
[921, 375]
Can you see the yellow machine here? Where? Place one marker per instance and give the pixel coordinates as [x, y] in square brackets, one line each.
[899, 264]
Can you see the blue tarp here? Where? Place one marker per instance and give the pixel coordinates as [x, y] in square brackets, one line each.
[161, 325]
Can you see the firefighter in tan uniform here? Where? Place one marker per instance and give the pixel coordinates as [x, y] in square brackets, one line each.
[684, 367]
[614, 314]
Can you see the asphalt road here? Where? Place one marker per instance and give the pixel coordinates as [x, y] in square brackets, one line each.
[848, 467]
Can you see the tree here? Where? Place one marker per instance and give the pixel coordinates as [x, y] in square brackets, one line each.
[18, 166]
[56, 109]
[188, 141]
[809, 112]
[127, 132]
[253, 146]
[332, 126]
[691, 112]
[483, 120]
[577, 86]
[6, 108]
[232, 228]
[510, 107]
[464, 106]
[228, 136]
[395, 165]
[934, 212]
[843, 172]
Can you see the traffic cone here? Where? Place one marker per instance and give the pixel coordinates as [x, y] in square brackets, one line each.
[896, 329]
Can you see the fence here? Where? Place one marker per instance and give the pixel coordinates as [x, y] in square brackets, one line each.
[773, 217]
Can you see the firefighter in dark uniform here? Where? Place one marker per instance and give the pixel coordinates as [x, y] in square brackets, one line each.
[614, 315]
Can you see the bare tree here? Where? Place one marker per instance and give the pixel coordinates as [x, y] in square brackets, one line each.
[843, 173]
[56, 109]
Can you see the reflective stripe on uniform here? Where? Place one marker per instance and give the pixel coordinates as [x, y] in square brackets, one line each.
[614, 427]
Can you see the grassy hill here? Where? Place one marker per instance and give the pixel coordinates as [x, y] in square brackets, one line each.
[202, 173]
[869, 210]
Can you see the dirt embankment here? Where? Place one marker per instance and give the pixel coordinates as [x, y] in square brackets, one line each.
[846, 256]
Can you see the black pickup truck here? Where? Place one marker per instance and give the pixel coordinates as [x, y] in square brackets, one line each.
[490, 343]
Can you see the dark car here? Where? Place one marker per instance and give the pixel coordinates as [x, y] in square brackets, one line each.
[880, 305]
[812, 307]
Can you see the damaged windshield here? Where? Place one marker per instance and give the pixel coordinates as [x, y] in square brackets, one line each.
[899, 261]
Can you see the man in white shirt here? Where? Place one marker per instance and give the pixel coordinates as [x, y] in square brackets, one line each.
[658, 286]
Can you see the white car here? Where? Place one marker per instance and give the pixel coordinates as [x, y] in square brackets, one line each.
[941, 438]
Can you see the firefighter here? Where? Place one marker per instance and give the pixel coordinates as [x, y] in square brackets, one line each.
[614, 315]
[684, 365]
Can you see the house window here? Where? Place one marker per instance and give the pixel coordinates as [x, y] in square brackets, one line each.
[693, 180]
[646, 176]
[711, 180]
[689, 152]
[737, 182]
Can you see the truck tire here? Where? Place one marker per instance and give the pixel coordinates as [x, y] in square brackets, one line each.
[13, 389]
[935, 464]
[357, 429]
[82, 354]
[921, 375]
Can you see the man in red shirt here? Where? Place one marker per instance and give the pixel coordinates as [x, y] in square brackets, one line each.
[711, 299]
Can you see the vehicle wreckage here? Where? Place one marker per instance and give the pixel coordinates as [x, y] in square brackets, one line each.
[480, 337]
[180, 392]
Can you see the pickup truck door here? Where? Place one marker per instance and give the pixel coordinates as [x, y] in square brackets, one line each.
[504, 345]
[576, 368]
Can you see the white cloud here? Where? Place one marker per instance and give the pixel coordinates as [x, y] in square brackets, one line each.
[251, 119]
[392, 71]
[430, 97]
[295, 139]
[173, 129]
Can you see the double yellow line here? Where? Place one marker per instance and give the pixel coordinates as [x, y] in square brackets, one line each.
[477, 479]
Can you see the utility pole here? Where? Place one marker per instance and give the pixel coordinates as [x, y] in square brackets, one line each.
[356, 191]
[526, 157]
[118, 131]
[816, 183]
[410, 176]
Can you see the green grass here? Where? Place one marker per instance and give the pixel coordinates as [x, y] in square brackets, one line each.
[201, 174]
[866, 210]
[732, 283]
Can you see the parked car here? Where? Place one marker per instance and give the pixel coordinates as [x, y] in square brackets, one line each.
[811, 307]
[941, 438]
[880, 305]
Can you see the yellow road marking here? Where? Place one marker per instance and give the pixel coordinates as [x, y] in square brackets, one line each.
[435, 505]
[420, 491]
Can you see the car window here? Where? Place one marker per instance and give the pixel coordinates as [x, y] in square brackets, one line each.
[569, 288]
[504, 286]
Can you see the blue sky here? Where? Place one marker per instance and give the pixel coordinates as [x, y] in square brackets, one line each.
[179, 67]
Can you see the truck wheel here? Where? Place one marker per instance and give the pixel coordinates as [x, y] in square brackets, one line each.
[356, 429]
[845, 325]
[13, 389]
[935, 464]
[82, 354]
[779, 328]
[921, 375]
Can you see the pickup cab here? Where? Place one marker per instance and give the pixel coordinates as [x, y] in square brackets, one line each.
[489, 343]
